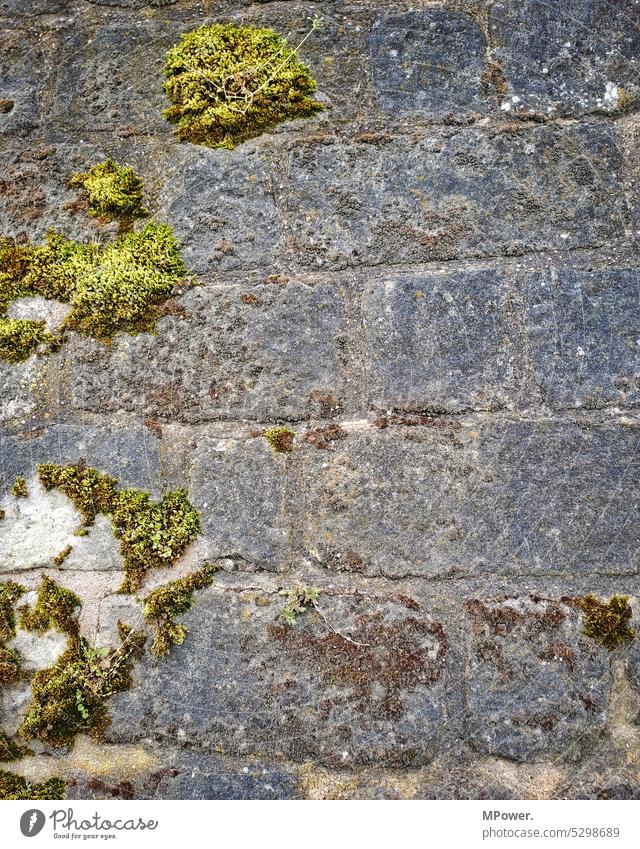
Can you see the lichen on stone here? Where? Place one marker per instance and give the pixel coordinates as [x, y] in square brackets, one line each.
[280, 439]
[163, 604]
[16, 787]
[114, 192]
[229, 83]
[151, 534]
[607, 622]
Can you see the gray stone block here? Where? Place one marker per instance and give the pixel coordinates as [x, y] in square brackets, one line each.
[429, 61]
[478, 496]
[567, 58]
[583, 335]
[303, 692]
[263, 352]
[536, 688]
[442, 341]
[455, 194]
[239, 487]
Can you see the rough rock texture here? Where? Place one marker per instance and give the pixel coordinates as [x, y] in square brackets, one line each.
[434, 284]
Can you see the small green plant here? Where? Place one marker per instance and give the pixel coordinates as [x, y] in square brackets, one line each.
[280, 439]
[21, 337]
[229, 83]
[114, 192]
[19, 488]
[299, 598]
[607, 622]
[16, 787]
[163, 604]
[151, 535]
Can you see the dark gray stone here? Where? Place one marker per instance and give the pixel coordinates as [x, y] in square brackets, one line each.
[536, 688]
[262, 352]
[23, 76]
[567, 58]
[584, 336]
[477, 496]
[417, 65]
[464, 193]
[129, 454]
[303, 692]
[442, 341]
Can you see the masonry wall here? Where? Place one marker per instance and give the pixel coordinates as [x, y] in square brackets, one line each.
[443, 263]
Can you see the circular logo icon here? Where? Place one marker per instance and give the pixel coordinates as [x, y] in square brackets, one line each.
[32, 822]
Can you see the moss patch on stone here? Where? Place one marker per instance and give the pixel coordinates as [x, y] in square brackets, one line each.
[19, 488]
[114, 192]
[55, 609]
[229, 83]
[151, 534]
[18, 788]
[607, 622]
[163, 604]
[71, 696]
[111, 289]
[10, 750]
[280, 439]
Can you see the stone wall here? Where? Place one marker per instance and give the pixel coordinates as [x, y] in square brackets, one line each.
[443, 264]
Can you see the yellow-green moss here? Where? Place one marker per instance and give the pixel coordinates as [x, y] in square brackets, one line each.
[163, 604]
[20, 337]
[280, 439]
[19, 488]
[59, 559]
[16, 787]
[71, 696]
[607, 622]
[55, 608]
[114, 192]
[111, 289]
[10, 750]
[151, 534]
[228, 83]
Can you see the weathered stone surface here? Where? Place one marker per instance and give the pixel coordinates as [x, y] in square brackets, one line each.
[19, 388]
[536, 687]
[239, 487]
[463, 193]
[23, 76]
[416, 62]
[130, 455]
[221, 206]
[298, 693]
[442, 341]
[263, 352]
[567, 58]
[584, 336]
[476, 496]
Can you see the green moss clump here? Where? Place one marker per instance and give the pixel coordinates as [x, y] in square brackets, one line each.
[10, 666]
[111, 289]
[71, 696]
[59, 559]
[280, 439]
[114, 192]
[55, 608]
[151, 534]
[163, 604]
[228, 83]
[16, 787]
[20, 337]
[10, 592]
[10, 750]
[19, 488]
[607, 622]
